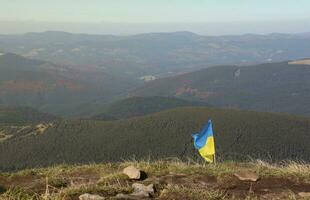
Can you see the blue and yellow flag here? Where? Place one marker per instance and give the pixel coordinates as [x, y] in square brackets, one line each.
[204, 143]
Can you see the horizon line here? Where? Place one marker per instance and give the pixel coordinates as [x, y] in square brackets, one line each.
[155, 32]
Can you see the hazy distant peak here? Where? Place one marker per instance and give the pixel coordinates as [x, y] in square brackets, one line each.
[12, 56]
[9, 59]
[61, 33]
[175, 34]
[185, 33]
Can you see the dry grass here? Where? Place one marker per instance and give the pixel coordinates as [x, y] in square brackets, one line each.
[192, 193]
[292, 169]
[70, 181]
[282, 169]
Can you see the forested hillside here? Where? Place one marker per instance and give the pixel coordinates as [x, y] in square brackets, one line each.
[276, 87]
[58, 89]
[239, 135]
[13, 114]
[138, 106]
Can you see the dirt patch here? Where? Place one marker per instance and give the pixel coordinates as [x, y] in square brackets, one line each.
[30, 182]
[196, 181]
[41, 128]
[263, 187]
[173, 179]
[230, 186]
[4, 136]
[170, 186]
[81, 177]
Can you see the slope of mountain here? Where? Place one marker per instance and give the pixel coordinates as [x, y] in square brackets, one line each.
[138, 106]
[13, 114]
[238, 134]
[275, 87]
[55, 88]
[156, 54]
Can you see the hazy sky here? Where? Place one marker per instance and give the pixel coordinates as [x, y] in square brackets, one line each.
[82, 12]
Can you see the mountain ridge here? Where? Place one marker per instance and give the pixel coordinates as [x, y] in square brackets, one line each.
[275, 87]
[141, 106]
[156, 54]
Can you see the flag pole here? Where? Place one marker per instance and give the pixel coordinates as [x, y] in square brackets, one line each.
[214, 152]
[215, 159]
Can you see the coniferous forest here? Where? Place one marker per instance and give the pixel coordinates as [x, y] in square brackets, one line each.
[239, 135]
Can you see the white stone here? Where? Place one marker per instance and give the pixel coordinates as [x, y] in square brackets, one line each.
[132, 172]
[90, 197]
[304, 194]
[142, 190]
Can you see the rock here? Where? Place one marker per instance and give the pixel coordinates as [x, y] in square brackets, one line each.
[164, 192]
[140, 192]
[132, 172]
[304, 194]
[126, 196]
[247, 176]
[90, 197]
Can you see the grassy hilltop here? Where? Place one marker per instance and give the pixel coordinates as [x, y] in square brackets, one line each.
[172, 180]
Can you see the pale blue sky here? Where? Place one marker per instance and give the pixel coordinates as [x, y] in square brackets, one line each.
[150, 11]
[210, 17]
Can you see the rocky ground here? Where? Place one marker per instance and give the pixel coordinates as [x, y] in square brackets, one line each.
[165, 180]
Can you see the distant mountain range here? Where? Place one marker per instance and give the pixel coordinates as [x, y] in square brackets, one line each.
[55, 88]
[239, 135]
[156, 54]
[273, 87]
[82, 92]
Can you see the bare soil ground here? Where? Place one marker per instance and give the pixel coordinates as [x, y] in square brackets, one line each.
[171, 181]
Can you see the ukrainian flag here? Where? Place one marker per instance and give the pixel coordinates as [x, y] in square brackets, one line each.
[204, 143]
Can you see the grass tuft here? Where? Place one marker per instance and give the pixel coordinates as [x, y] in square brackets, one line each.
[19, 194]
[181, 192]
